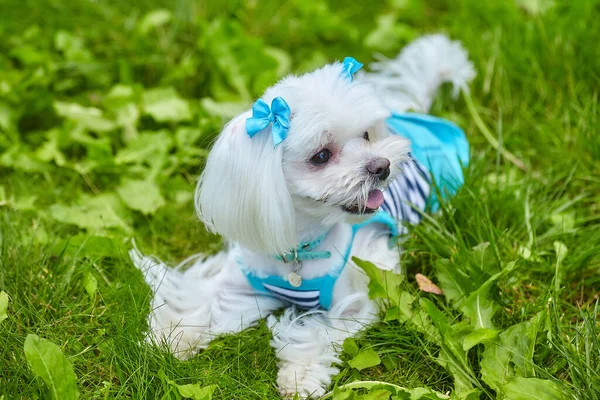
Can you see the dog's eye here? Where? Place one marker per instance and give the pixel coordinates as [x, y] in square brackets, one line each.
[321, 157]
[366, 136]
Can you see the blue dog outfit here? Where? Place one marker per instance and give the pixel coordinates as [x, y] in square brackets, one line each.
[439, 151]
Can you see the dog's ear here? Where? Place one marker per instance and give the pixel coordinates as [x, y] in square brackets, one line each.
[242, 193]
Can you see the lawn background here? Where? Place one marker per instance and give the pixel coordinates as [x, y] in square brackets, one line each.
[107, 109]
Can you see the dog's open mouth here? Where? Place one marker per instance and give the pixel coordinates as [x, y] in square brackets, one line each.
[374, 201]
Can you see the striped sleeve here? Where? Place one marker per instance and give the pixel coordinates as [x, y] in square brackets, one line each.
[406, 197]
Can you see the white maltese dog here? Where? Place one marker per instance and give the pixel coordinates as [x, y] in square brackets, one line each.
[319, 171]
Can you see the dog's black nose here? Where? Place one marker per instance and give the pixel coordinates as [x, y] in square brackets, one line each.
[379, 167]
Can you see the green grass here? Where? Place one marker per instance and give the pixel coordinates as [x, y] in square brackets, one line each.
[537, 92]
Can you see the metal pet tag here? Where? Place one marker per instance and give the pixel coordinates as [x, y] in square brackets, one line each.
[295, 279]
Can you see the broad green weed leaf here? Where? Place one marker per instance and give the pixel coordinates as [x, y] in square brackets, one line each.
[422, 394]
[182, 197]
[564, 220]
[128, 117]
[93, 213]
[29, 56]
[119, 95]
[479, 336]
[98, 151]
[154, 19]
[382, 284]
[452, 355]
[389, 33]
[223, 109]
[85, 245]
[7, 116]
[481, 247]
[50, 150]
[460, 371]
[417, 317]
[190, 391]
[90, 283]
[121, 99]
[474, 394]
[188, 152]
[141, 195]
[36, 234]
[88, 117]
[533, 389]
[220, 38]
[50, 364]
[4, 199]
[165, 105]
[24, 202]
[341, 394]
[283, 59]
[389, 362]
[452, 281]
[350, 347]
[3, 306]
[535, 7]
[365, 359]
[511, 354]
[393, 314]
[72, 47]
[345, 392]
[478, 307]
[526, 253]
[150, 147]
[20, 158]
[186, 137]
[376, 394]
[561, 251]
[196, 391]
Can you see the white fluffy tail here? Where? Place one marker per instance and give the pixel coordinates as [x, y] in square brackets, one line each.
[189, 308]
[411, 81]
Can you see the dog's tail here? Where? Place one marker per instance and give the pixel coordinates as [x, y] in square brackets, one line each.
[411, 81]
[181, 316]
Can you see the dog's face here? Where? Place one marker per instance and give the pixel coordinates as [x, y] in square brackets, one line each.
[337, 158]
[339, 154]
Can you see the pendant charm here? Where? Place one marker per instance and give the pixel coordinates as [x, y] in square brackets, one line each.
[295, 279]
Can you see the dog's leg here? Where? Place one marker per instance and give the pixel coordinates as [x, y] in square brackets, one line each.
[307, 345]
[210, 298]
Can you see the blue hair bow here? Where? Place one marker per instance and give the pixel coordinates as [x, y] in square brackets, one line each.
[349, 67]
[263, 116]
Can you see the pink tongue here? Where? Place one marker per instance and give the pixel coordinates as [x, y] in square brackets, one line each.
[375, 199]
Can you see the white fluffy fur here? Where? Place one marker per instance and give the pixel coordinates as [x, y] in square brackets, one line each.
[265, 200]
[411, 81]
[244, 196]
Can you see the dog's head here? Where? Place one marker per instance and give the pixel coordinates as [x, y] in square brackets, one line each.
[337, 157]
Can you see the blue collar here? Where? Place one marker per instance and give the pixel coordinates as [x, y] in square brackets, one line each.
[317, 291]
[304, 251]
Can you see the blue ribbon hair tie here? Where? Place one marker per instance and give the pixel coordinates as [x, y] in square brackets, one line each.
[349, 67]
[262, 116]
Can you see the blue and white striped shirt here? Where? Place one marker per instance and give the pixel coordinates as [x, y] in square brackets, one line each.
[406, 197]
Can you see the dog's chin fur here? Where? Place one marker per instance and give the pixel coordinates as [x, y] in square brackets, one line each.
[264, 200]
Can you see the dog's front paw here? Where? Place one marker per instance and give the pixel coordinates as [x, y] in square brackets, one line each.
[307, 379]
